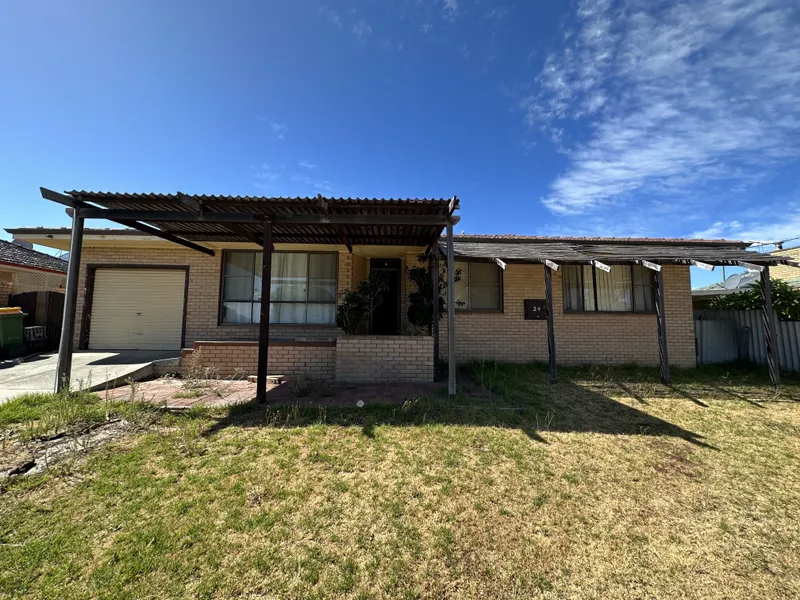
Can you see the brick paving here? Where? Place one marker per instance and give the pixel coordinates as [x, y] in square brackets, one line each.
[163, 392]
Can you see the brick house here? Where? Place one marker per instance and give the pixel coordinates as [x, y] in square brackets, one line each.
[195, 285]
[26, 270]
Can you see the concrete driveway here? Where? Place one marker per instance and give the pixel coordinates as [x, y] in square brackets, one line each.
[97, 370]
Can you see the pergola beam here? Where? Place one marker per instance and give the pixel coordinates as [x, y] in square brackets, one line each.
[344, 239]
[157, 216]
[166, 236]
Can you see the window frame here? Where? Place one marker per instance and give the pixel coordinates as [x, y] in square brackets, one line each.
[501, 309]
[256, 267]
[583, 311]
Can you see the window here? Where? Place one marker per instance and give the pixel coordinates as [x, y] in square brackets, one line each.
[480, 286]
[626, 288]
[302, 290]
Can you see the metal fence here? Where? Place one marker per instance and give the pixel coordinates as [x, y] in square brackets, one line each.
[728, 335]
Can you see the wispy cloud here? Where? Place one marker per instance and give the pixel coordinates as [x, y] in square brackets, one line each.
[314, 184]
[279, 129]
[450, 9]
[758, 229]
[362, 28]
[306, 165]
[331, 15]
[266, 176]
[676, 103]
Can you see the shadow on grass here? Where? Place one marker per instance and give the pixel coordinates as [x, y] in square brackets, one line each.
[520, 399]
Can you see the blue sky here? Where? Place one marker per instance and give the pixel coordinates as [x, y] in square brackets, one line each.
[594, 117]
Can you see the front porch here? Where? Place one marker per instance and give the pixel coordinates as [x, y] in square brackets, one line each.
[309, 253]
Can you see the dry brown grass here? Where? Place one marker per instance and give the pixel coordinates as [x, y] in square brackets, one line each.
[606, 485]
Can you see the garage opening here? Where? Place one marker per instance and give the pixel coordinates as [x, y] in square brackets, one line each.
[137, 309]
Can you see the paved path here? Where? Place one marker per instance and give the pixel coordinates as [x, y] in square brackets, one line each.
[38, 374]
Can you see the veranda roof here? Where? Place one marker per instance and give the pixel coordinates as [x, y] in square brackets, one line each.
[192, 218]
[609, 250]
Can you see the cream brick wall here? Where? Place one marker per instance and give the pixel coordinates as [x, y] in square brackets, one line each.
[295, 359]
[203, 294]
[581, 338]
[785, 271]
[370, 359]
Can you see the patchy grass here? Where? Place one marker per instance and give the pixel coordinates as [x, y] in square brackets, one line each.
[191, 393]
[604, 485]
[41, 415]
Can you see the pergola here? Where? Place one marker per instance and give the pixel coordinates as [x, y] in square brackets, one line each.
[190, 220]
[649, 253]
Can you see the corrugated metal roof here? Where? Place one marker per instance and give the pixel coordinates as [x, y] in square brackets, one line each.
[275, 208]
[510, 237]
[584, 250]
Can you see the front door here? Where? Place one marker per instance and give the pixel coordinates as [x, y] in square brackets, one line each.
[386, 316]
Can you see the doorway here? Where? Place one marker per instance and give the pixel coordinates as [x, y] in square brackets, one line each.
[386, 316]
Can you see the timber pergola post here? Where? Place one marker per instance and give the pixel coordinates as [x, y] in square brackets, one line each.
[263, 326]
[451, 315]
[773, 361]
[661, 322]
[64, 364]
[551, 336]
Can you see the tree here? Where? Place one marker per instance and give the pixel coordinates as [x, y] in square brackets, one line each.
[785, 300]
[420, 303]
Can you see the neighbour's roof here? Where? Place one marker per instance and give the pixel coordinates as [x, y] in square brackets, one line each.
[308, 220]
[607, 250]
[18, 256]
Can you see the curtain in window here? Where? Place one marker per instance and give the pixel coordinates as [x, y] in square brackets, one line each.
[643, 289]
[614, 289]
[572, 287]
[484, 286]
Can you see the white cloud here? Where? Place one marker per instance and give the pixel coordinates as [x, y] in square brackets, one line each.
[279, 129]
[684, 102]
[362, 28]
[450, 9]
[266, 176]
[315, 184]
[306, 165]
[331, 15]
[756, 230]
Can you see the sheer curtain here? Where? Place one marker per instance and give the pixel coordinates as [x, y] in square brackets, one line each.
[614, 289]
[288, 288]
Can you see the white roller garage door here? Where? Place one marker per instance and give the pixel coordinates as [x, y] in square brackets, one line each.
[137, 309]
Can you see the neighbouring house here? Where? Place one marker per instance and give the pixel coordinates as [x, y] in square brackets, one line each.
[26, 270]
[738, 282]
[788, 273]
[189, 279]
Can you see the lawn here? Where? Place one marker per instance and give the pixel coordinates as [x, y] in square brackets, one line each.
[605, 485]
